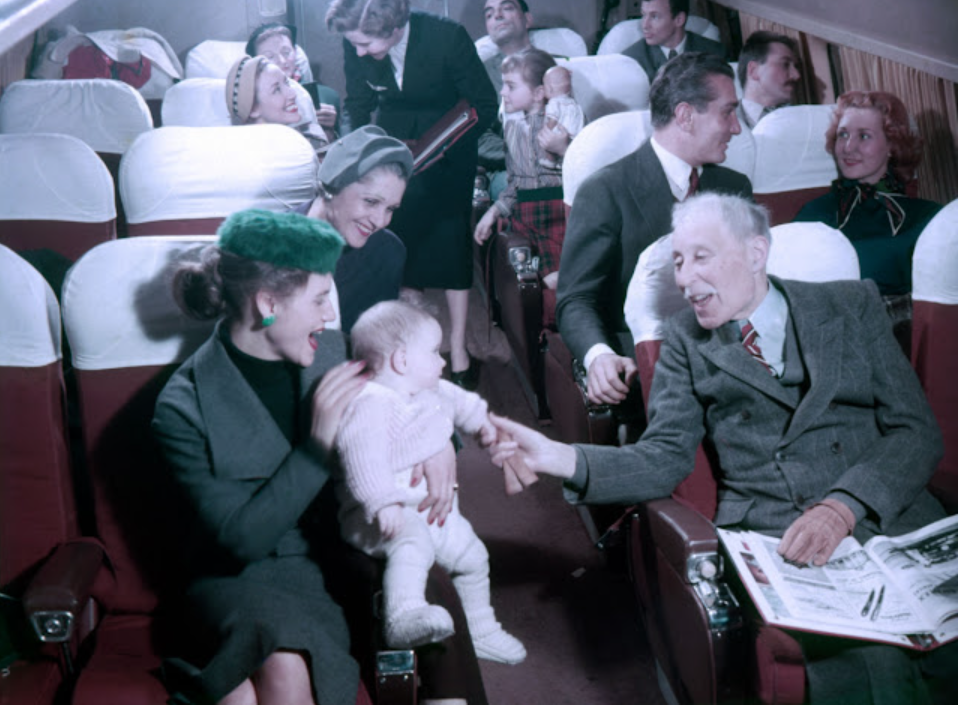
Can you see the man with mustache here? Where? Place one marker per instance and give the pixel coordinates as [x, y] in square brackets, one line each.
[624, 207]
[818, 422]
[769, 73]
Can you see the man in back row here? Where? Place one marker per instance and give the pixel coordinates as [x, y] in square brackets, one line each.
[665, 36]
[769, 74]
[625, 207]
[819, 424]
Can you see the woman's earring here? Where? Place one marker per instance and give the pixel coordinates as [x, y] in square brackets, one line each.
[269, 320]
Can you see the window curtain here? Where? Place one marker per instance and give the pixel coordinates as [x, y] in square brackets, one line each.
[931, 101]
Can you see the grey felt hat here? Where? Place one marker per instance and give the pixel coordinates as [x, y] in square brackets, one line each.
[349, 158]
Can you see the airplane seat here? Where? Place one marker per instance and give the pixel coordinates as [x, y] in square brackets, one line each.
[702, 641]
[604, 85]
[561, 42]
[792, 165]
[105, 113]
[58, 195]
[196, 102]
[187, 180]
[38, 512]
[934, 335]
[625, 33]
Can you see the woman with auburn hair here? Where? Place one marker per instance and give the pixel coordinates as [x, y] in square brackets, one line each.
[410, 68]
[876, 151]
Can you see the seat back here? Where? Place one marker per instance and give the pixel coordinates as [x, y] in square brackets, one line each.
[627, 32]
[196, 102]
[607, 84]
[601, 143]
[702, 27]
[935, 308]
[213, 58]
[186, 180]
[792, 165]
[561, 42]
[55, 193]
[37, 506]
[127, 336]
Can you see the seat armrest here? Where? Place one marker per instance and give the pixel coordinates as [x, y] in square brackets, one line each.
[685, 538]
[62, 588]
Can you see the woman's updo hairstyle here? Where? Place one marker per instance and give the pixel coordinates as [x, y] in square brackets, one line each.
[257, 251]
[374, 18]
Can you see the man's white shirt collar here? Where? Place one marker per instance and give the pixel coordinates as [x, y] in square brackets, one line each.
[679, 48]
[677, 171]
[769, 320]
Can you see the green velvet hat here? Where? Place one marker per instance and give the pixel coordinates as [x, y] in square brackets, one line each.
[286, 240]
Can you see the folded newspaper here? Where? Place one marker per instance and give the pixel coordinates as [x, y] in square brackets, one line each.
[899, 590]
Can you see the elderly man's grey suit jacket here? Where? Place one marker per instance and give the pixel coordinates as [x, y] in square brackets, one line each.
[861, 426]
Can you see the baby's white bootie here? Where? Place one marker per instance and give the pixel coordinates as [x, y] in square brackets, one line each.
[418, 626]
[499, 646]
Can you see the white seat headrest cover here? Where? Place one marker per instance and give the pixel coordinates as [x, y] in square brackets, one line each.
[213, 58]
[702, 27]
[652, 296]
[603, 85]
[601, 143]
[934, 271]
[108, 115]
[811, 252]
[29, 315]
[621, 36]
[177, 173]
[741, 153]
[791, 149]
[558, 41]
[53, 177]
[196, 102]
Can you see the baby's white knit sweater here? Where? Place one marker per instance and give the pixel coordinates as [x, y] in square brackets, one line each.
[384, 433]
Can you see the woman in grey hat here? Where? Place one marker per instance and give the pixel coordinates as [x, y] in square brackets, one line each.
[362, 181]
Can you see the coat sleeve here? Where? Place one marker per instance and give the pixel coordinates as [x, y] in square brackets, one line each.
[245, 516]
[665, 455]
[891, 473]
[469, 76]
[588, 265]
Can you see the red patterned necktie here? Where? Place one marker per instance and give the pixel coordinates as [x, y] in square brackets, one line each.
[752, 346]
[693, 183]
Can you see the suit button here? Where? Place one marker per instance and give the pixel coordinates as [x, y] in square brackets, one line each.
[833, 406]
[780, 455]
[800, 499]
[836, 448]
[745, 415]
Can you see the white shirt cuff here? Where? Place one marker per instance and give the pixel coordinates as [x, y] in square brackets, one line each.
[594, 352]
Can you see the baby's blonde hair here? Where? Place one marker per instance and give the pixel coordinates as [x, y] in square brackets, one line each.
[383, 329]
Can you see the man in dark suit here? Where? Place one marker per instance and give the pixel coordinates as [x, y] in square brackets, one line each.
[820, 426]
[624, 207]
[665, 36]
[769, 73]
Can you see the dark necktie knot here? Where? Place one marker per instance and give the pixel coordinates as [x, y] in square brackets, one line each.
[693, 183]
[750, 338]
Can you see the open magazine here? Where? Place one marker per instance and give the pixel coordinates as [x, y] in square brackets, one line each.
[900, 590]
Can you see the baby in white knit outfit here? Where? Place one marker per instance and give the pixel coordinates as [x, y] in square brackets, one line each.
[405, 415]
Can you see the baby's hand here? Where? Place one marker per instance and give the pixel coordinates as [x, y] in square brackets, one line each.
[487, 433]
[391, 520]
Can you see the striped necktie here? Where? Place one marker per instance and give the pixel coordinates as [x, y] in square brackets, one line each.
[751, 343]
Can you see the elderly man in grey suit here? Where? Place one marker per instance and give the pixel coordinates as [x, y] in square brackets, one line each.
[624, 207]
[665, 36]
[819, 424]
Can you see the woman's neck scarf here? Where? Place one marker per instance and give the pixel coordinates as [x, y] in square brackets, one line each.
[854, 194]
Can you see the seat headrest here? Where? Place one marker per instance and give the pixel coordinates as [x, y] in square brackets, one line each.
[600, 143]
[196, 102]
[186, 173]
[29, 315]
[107, 115]
[811, 252]
[652, 296]
[791, 150]
[54, 177]
[934, 272]
[558, 41]
[603, 85]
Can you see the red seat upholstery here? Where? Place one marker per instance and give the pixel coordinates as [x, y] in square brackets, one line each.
[707, 650]
[58, 195]
[934, 336]
[792, 165]
[186, 180]
[37, 505]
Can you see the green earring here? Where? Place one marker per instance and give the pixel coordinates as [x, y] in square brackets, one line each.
[269, 320]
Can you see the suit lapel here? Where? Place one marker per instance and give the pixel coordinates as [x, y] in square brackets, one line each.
[724, 349]
[649, 186]
[819, 335]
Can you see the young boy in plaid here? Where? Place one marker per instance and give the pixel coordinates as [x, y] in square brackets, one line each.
[533, 197]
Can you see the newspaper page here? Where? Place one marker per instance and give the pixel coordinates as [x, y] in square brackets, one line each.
[852, 595]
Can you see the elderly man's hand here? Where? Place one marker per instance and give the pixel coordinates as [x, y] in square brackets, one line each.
[609, 378]
[813, 537]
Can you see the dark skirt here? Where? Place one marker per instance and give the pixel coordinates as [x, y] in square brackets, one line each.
[279, 603]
